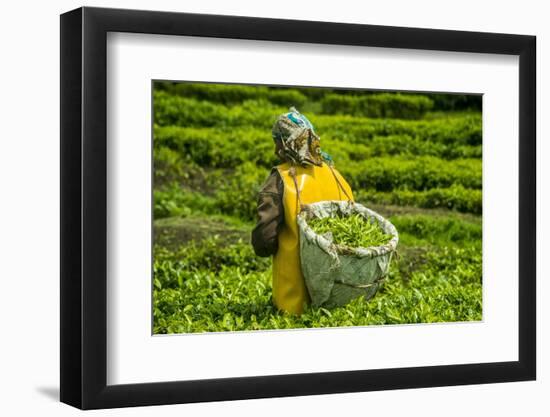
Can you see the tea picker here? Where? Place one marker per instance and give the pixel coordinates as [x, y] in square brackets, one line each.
[309, 267]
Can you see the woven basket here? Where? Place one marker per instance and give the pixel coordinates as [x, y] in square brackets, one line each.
[336, 274]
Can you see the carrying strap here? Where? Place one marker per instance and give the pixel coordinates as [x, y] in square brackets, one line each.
[340, 184]
[292, 172]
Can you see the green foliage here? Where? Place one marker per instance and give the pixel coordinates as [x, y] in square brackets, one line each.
[208, 286]
[176, 201]
[234, 195]
[228, 94]
[393, 164]
[447, 102]
[455, 197]
[352, 231]
[462, 130]
[400, 145]
[188, 112]
[227, 148]
[454, 102]
[403, 173]
[173, 201]
[218, 148]
[386, 105]
[211, 254]
[420, 229]
[238, 194]
[181, 111]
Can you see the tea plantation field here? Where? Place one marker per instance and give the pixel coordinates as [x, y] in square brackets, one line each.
[415, 159]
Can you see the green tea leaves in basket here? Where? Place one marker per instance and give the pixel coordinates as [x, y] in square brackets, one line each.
[353, 231]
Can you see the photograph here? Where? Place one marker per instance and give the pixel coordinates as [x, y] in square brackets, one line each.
[297, 207]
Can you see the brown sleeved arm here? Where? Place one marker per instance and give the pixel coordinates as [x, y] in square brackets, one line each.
[270, 216]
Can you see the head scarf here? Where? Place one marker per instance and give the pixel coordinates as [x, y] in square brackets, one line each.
[297, 139]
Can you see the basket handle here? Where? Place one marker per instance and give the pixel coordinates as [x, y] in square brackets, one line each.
[340, 185]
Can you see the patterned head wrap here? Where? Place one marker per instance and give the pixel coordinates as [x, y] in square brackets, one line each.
[297, 139]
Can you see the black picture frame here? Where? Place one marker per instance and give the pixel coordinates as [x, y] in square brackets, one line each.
[84, 207]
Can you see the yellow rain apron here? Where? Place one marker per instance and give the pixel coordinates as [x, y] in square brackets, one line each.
[315, 183]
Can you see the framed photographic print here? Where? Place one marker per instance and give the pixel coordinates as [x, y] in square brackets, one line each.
[256, 207]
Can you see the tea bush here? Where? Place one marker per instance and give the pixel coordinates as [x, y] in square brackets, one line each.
[420, 173]
[207, 286]
[455, 197]
[462, 130]
[173, 200]
[217, 147]
[233, 94]
[398, 106]
[181, 111]
[454, 102]
[188, 112]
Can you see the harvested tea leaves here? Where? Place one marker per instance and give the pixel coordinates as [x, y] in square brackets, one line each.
[353, 231]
